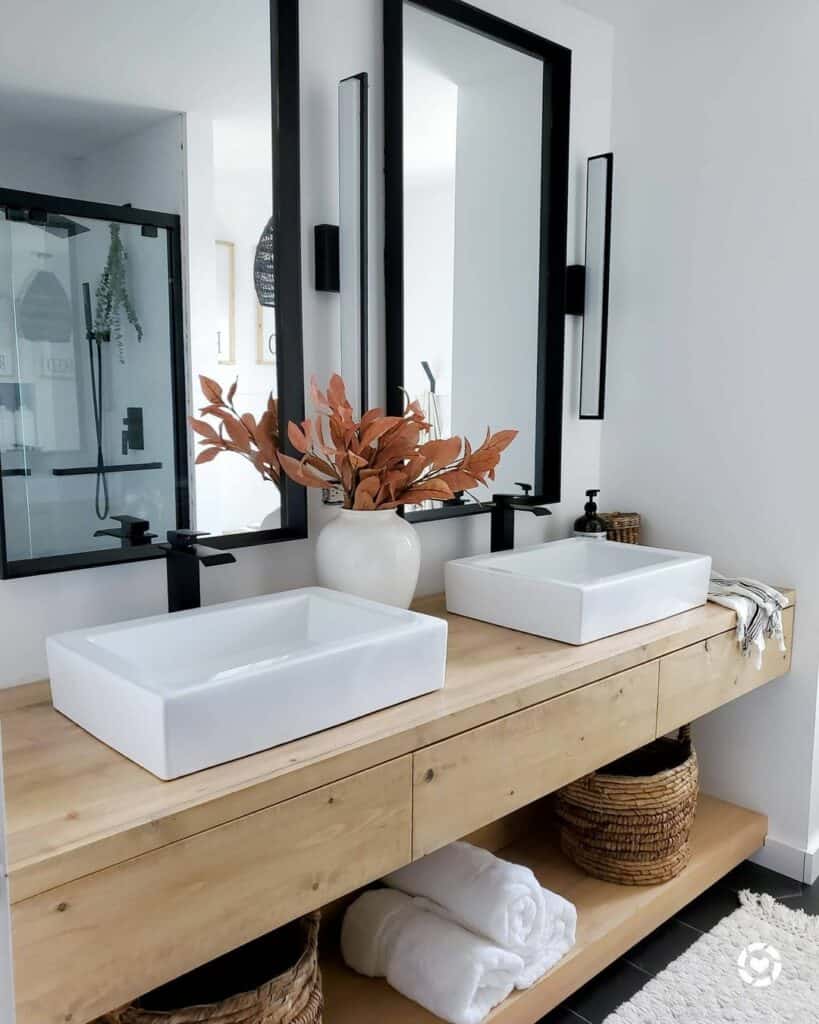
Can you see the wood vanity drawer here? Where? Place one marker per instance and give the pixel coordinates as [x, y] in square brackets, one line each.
[465, 782]
[95, 943]
[698, 679]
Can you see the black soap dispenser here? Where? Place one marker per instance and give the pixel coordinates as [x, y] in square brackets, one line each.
[590, 525]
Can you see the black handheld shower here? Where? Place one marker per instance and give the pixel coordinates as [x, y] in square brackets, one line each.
[95, 339]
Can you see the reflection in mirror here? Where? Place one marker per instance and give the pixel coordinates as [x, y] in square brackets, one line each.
[477, 211]
[87, 337]
[596, 303]
[151, 164]
[353, 146]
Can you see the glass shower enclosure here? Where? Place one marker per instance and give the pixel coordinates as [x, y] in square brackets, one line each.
[92, 395]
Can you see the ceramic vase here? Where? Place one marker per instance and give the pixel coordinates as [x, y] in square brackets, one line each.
[376, 555]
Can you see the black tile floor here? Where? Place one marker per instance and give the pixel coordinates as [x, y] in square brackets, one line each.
[626, 976]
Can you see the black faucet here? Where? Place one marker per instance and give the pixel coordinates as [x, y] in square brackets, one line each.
[131, 533]
[503, 508]
[183, 557]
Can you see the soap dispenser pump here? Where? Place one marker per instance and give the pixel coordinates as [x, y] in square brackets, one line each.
[590, 525]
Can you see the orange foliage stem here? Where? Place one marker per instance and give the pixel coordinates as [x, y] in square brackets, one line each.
[381, 462]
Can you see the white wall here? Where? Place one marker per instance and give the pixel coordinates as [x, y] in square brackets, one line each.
[143, 169]
[497, 263]
[35, 172]
[429, 268]
[339, 39]
[6, 963]
[711, 402]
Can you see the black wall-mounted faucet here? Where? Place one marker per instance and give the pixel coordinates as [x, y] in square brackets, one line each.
[132, 531]
[503, 508]
[133, 436]
[183, 558]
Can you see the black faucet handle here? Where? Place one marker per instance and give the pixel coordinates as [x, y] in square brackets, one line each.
[184, 540]
[134, 523]
[526, 488]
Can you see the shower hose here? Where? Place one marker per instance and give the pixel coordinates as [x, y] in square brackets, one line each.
[101, 502]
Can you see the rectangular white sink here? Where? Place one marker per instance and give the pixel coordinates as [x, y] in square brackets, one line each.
[577, 590]
[177, 693]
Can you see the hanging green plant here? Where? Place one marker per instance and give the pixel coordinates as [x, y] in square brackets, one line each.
[113, 297]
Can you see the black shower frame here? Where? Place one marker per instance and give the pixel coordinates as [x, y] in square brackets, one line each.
[170, 223]
[285, 106]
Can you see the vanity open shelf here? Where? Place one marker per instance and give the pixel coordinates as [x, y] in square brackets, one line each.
[140, 880]
[611, 919]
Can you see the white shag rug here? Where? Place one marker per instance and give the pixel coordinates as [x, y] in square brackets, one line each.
[759, 965]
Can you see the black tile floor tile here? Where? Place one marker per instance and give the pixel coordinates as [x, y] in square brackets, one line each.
[807, 900]
[709, 908]
[618, 983]
[665, 944]
[562, 1015]
[758, 879]
[610, 989]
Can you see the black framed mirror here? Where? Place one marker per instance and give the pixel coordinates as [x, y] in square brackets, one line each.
[477, 155]
[149, 234]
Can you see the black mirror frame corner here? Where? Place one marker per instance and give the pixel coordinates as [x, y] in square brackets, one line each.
[553, 231]
[285, 105]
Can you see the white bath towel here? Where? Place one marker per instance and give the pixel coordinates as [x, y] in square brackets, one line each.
[491, 897]
[441, 966]
[758, 609]
[559, 932]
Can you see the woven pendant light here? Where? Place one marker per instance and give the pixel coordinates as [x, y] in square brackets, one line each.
[264, 267]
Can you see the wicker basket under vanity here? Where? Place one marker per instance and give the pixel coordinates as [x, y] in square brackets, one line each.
[622, 526]
[630, 823]
[292, 996]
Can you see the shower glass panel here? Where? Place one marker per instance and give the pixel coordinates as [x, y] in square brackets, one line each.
[86, 378]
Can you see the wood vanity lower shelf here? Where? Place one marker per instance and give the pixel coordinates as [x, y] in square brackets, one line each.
[611, 919]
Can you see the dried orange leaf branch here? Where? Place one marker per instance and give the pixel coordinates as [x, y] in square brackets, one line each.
[255, 440]
[380, 462]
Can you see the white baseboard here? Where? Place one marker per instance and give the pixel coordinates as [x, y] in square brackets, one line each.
[787, 860]
[811, 867]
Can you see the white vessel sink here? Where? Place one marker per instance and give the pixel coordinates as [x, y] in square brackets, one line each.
[177, 693]
[577, 590]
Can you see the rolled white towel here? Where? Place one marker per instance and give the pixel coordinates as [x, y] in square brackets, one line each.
[504, 902]
[447, 970]
[559, 935]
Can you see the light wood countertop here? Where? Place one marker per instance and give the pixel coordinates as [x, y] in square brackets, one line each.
[74, 806]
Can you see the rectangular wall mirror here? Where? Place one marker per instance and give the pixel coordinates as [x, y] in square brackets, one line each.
[149, 234]
[477, 144]
[599, 183]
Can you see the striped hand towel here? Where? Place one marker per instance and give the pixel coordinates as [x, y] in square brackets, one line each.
[758, 608]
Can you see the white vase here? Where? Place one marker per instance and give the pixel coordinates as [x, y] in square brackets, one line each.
[272, 521]
[376, 555]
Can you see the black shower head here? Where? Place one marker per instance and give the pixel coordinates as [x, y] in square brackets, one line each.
[63, 227]
[53, 223]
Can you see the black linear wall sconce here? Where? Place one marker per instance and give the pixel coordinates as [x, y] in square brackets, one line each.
[587, 287]
[327, 258]
[341, 251]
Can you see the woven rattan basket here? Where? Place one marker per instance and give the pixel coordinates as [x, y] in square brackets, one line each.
[622, 526]
[293, 996]
[630, 823]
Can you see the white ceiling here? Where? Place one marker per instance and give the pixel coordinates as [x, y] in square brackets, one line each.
[76, 75]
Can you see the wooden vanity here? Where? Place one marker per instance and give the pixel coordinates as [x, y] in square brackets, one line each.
[120, 882]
